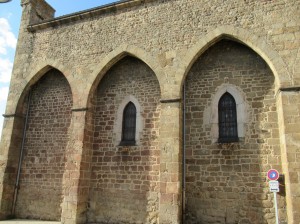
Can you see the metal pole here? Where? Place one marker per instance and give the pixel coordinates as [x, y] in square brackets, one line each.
[21, 156]
[276, 209]
[183, 154]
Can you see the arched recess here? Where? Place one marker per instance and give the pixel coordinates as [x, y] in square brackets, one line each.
[36, 73]
[257, 44]
[116, 55]
[124, 178]
[45, 106]
[219, 174]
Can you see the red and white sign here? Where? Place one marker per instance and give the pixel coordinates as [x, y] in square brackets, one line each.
[273, 174]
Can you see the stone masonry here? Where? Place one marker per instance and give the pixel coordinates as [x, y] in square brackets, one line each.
[227, 181]
[73, 76]
[40, 193]
[125, 178]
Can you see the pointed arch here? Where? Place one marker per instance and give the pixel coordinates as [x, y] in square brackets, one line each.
[48, 116]
[34, 76]
[113, 57]
[259, 45]
[43, 67]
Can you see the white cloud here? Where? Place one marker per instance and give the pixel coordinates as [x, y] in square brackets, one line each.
[7, 41]
[5, 70]
[3, 94]
[7, 38]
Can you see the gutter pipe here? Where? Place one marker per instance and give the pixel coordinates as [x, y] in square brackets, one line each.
[21, 156]
[183, 154]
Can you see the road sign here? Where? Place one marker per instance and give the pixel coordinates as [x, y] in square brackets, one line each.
[274, 186]
[273, 174]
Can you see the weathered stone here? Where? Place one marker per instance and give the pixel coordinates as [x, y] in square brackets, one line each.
[142, 52]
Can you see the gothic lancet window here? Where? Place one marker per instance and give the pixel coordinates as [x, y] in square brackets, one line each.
[129, 125]
[227, 119]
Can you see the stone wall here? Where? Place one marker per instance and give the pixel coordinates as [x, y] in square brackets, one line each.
[289, 105]
[226, 182]
[124, 180]
[40, 191]
[169, 37]
[162, 30]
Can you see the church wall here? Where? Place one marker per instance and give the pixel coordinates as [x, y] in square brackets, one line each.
[124, 179]
[165, 29]
[289, 109]
[164, 34]
[226, 182]
[43, 165]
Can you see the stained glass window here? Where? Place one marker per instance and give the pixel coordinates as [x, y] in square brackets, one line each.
[129, 125]
[227, 119]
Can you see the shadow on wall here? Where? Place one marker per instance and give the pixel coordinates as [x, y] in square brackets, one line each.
[40, 190]
[124, 184]
[225, 182]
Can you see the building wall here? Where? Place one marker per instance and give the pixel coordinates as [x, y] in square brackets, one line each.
[165, 26]
[169, 37]
[125, 178]
[226, 182]
[43, 165]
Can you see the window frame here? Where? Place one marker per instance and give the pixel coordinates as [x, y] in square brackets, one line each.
[211, 117]
[227, 119]
[129, 118]
[117, 129]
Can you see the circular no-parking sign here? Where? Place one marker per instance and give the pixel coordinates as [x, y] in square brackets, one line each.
[273, 174]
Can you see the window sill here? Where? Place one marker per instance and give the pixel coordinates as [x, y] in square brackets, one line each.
[127, 143]
[126, 148]
[228, 140]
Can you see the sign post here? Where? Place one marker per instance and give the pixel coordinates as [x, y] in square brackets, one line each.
[273, 176]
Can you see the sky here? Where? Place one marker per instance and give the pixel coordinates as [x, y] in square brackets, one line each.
[10, 16]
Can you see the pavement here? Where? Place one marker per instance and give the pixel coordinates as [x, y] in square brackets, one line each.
[22, 221]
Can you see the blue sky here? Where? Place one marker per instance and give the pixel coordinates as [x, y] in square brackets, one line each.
[10, 16]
